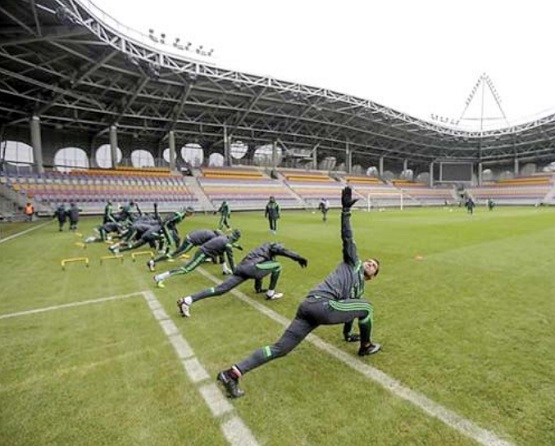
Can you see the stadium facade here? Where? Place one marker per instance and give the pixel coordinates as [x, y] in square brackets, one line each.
[73, 76]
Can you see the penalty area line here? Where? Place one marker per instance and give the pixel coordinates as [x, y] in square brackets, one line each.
[70, 305]
[448, 417]
[234, 429]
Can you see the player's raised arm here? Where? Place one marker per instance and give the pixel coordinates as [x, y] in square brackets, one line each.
[349, 248]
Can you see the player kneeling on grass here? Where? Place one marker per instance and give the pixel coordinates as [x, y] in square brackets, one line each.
[212, 249]
[256, 265]
[336, 300]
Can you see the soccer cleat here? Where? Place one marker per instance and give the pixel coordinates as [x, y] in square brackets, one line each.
[352, 337]
[230, 384]
[150, 265]
[184, 309]
[114, 249]
[369, 350]
[274, 296]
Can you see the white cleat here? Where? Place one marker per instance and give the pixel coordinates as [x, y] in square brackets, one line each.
[274, 296]
[184, 309]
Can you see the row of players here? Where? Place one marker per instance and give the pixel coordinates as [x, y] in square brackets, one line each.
[338, 299]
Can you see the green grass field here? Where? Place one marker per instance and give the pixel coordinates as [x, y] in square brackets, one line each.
[464, 309]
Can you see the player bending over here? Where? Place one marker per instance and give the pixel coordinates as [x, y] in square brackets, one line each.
[256, 265]
[336, 300]
[212, 249]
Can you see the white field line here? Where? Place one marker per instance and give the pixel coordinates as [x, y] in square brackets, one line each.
[71, 305]
[234, 429]
[22, 232]
[450, 418]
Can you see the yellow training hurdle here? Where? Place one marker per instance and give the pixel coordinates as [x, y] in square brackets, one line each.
[75, 259]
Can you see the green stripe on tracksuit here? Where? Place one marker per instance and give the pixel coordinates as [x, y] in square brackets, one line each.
[313, 312]
[361, 305]
[274, 268]
[191, 265]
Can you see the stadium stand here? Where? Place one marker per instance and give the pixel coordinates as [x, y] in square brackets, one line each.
[425, 195]
[528, 190]
[244, 188]
[91, 189]
[312, 186]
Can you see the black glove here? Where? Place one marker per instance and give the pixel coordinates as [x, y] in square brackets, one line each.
[352, 337]
[347, 199]
[303, 262]
[239, 247]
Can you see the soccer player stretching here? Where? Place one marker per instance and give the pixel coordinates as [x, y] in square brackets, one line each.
[336, 300]
[257, 264]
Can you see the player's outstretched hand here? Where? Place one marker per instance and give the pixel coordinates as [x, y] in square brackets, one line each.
[347, 199]
[303, 262]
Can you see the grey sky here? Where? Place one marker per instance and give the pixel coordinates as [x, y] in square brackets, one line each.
[420, 57]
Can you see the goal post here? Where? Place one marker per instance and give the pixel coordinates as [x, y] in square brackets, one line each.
[384, 200]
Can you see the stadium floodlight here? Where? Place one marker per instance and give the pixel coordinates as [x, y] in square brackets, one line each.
[152, 36]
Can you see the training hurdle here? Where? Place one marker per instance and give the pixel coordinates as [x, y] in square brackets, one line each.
[115, 257]
[75, 259]
[142, 253]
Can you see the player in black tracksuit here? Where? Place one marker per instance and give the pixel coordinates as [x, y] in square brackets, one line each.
[272, 213]
[61, 214]
[336, 300]
[212, 249]
[73, 214]
[194, 238]
[256, 265]
[151, 230]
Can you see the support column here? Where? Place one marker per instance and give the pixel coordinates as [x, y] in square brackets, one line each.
[405, 165]
[171, 139]
[114, 145]
[227, 148]
[517, 167]
[315, 158]
[348, 158]
[432, 174]
[36, 142]
[479, 174]
[380, 167]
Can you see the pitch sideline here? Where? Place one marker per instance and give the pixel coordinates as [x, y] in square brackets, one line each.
[17, 234]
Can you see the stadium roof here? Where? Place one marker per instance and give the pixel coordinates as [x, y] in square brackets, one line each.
[78, 69]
